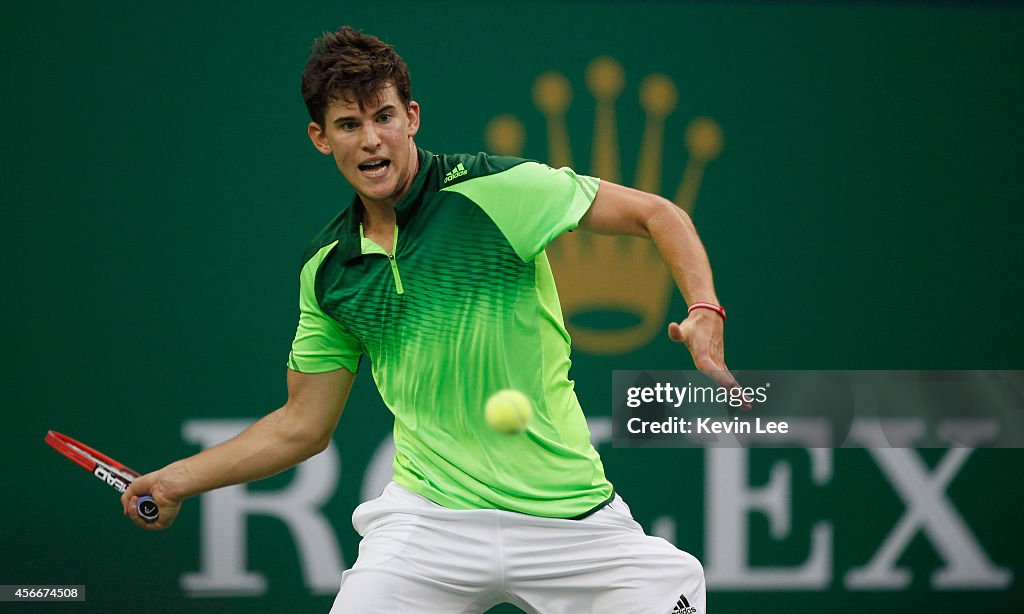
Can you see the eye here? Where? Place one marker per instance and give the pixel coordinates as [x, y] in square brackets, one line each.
[349, 126]
[384, 118]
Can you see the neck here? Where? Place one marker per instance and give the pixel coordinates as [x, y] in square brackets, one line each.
[378, 216]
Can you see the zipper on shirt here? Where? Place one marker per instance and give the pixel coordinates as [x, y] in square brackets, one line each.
[394, 270]
[374, 248]
[394, 263]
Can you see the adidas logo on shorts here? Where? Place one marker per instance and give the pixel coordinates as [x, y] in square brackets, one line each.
[683, 606]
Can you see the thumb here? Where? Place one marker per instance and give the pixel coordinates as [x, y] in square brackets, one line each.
[676, 333]
[139, 486]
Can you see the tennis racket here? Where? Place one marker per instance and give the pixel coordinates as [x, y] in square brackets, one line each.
[104, 468]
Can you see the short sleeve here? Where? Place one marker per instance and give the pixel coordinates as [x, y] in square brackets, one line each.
[531, 203]
[321, 344]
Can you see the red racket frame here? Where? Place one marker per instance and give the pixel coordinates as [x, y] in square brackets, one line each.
[88, 458]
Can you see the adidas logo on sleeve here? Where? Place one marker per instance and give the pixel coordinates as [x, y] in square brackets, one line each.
[455, 173]
[683, 607]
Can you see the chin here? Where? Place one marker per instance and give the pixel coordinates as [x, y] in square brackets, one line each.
[377, 194]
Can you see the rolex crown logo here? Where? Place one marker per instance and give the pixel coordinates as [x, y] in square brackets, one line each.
[615, 291]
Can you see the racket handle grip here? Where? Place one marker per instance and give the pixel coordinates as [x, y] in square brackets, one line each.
[147, 508]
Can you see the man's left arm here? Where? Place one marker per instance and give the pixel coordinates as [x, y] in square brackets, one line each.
[618, 210]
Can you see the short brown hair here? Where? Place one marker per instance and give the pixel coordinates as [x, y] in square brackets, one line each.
[348, 63]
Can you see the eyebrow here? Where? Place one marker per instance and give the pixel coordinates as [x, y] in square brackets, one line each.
[346, 118]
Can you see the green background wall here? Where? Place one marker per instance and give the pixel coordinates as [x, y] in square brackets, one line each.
[158, 190]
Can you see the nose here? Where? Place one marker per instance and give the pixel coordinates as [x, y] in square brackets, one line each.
[371, 138]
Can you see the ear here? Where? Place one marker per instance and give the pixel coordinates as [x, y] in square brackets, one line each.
[319, 138]
[414, 117]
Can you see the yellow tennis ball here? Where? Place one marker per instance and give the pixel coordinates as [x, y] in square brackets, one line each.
[508, 411]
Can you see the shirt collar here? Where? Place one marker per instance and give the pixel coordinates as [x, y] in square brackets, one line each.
[405, 208]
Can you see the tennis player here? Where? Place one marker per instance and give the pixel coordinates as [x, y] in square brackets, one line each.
[437, 273]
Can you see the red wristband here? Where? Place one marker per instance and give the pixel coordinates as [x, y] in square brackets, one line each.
[713, 307]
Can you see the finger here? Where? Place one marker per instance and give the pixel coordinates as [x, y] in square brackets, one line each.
[675, 332]
[746, 404]
[129, 496]
[726, 379]
[131, 512]
[719, 374]
[723, 378]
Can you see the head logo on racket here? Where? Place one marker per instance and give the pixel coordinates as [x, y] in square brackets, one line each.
[103, 467]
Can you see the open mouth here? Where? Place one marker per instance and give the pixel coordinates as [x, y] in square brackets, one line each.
[375, 167]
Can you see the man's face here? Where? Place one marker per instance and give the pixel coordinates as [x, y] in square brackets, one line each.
[373, 146]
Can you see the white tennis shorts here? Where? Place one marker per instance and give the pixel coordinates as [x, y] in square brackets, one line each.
[417, 556]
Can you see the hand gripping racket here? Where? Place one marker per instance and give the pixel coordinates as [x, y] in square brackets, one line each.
[104, 468]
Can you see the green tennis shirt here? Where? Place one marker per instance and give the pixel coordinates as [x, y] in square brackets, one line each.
[465, 306]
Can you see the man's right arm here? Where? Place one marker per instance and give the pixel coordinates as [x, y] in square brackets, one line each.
[278, 441]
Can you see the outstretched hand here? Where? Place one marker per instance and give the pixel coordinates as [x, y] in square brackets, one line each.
[703, 334]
